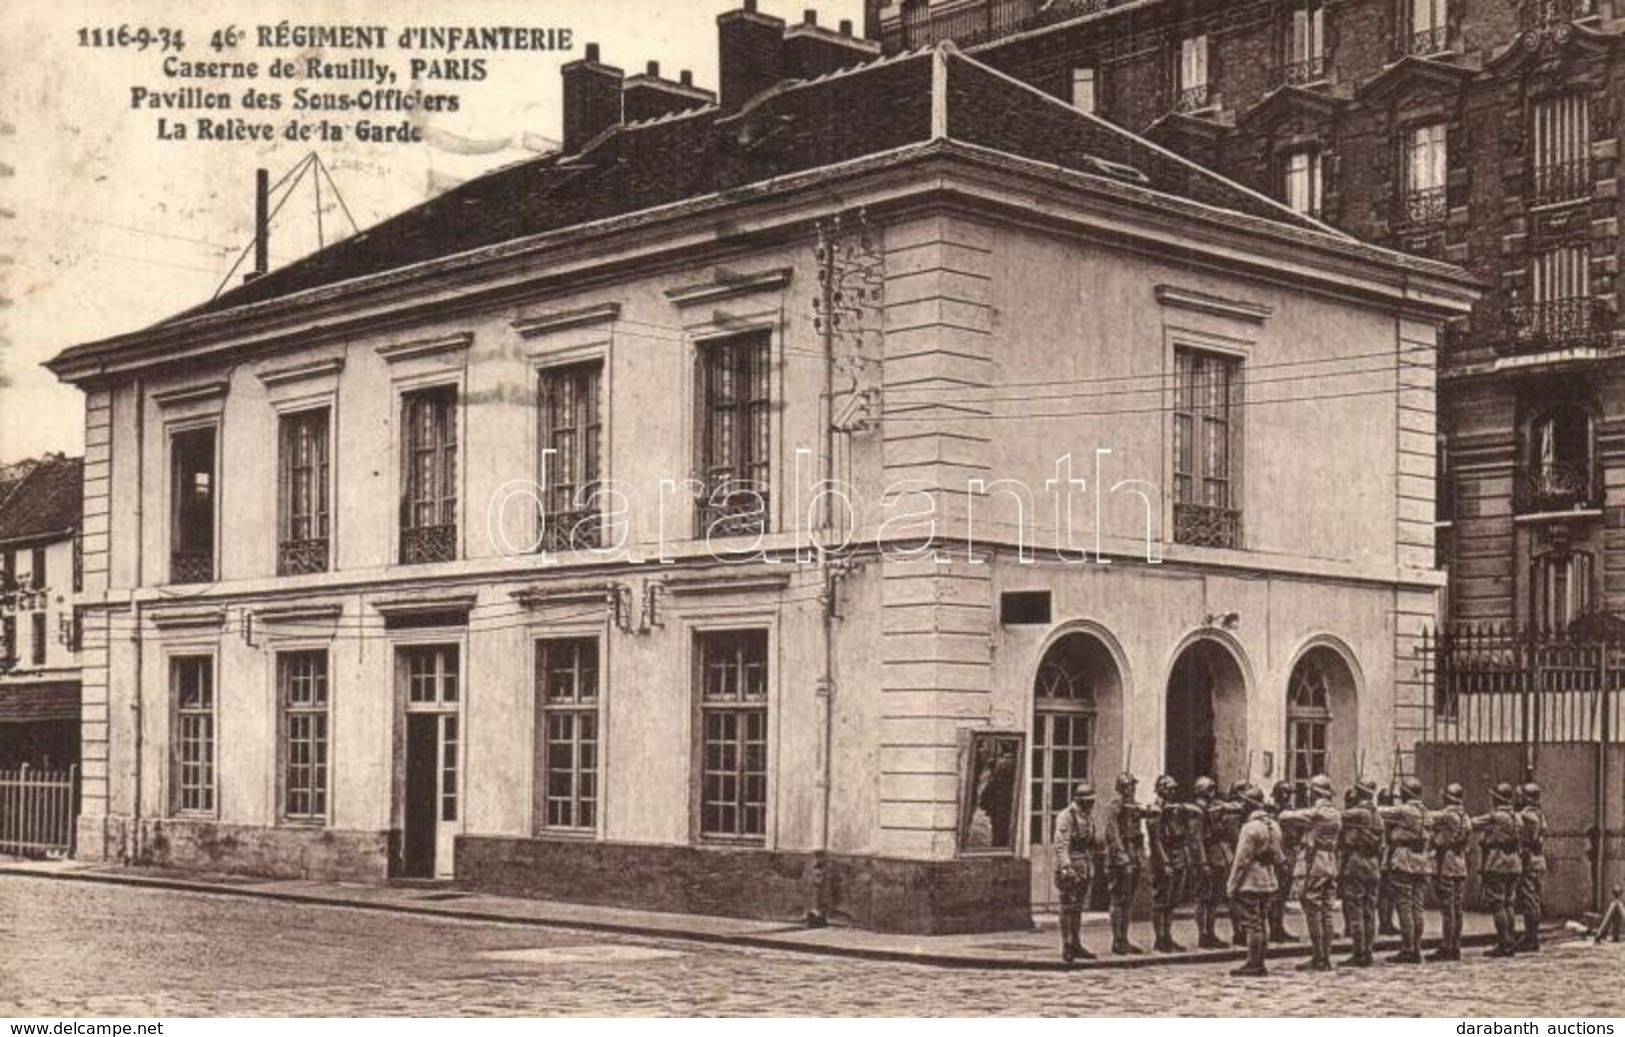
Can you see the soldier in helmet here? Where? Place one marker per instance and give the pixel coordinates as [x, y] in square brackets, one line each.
[1076, 842]
[1317, 827]
[1406, 821]
[1360, 841]
[1251, 885]
[1281, 797]
[1125, 858]
[1500, 866]
[1385, 885]
[1233, 818]
[1532, 856]
[1450, 828]
[1214, 868]
[1175, 850]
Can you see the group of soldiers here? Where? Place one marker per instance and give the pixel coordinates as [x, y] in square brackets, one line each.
[1379, 852]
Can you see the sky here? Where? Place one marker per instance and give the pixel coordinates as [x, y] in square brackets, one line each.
[106, 228]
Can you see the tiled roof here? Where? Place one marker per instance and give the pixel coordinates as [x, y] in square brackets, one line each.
[48, 500]
[795, 127]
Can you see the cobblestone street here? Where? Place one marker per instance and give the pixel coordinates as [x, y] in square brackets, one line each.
[78, 949]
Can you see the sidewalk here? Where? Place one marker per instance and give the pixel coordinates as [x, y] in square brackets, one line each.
[1023, 949]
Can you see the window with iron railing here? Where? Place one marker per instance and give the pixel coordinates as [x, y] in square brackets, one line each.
[1192, 84]
[736, 442]
[1305, 59]
[571, 449]
[1425, 156]
[192, 506]
[1559, 311]
[429, 478]
[1534, 15]
[303, 493]
[1205, 443]
[1427, 31]
[1561, 145]
[1559, 470]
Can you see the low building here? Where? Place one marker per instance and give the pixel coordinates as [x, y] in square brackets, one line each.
[489, 544]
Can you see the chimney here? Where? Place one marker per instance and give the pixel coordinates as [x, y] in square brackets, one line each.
[749, 46]
[811, 51]
[592, 99]
[262, 225]
[650, 96]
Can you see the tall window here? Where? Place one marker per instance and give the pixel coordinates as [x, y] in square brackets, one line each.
[429, 483]
[1302, 187]
[1561, 273]
[1306, 43]
[1429, 32]
[737, 439]
[1308, 720]
[8, 642]
[37, 569]
[1194, 93]
[192, 497]
[1426, 153]
[304, 493]
[733, 726]
[1206, 389]
[1561, 589]
[567, 693]
[1063, 728]
[191, 685]
[1084, 97]
[1559, 475]
[572, 443]
[302, 687]
[1561, 144]
[36, 648]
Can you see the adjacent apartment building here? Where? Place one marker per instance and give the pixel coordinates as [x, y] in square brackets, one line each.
[491, 543]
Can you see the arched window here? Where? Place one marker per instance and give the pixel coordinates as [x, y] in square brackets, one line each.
[1308, 720]
[1063, 725]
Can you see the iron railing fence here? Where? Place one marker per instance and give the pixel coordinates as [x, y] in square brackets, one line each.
[38, 811]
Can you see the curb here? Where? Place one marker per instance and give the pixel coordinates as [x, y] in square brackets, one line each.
[761, 941]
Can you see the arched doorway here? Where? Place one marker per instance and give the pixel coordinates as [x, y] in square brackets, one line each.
[1205, 730]
[1322, 718]
[1077, 735]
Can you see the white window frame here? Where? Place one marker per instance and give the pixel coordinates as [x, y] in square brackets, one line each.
[576, 707]
[321, 770]
[208, 804]
[1086, 89]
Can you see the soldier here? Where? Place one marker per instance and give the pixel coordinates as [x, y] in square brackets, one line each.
[1214, 868]
[1076, 842]
[1174, 848]
[1451, 828]
[1231, 831]
[1317, 827]
[1407, 834]
[1385, 885]
[1125, 859]
[1361, 843]
[1500, 866]
[1351, 796]
[1251, 885]
[1282, 796]
[1532, 857]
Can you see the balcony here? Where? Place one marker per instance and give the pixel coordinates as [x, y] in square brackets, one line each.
[1309, 70]
[1549, 14]
[1556, 486]
[976, 22]
[1553, 326]
[1194, 98]
[191, 567]
[1422, 208]
[1562, 182]
[301, 557]
[1201, 525]
[733, 513]
[580, 530]
[1424, 42]
[428, 544]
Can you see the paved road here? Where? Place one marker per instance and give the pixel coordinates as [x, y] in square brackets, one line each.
[80, 949]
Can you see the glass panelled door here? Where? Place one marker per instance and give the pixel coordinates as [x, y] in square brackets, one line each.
[432, 791]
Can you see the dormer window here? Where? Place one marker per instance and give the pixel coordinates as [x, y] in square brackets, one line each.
[1194, 91]
[1302, 185]
[1428, 31]
[1426, 152]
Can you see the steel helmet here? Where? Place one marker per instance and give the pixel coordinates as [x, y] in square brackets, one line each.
[1237, 787]
[1167, 787]
[1252, 795]
[1366, 788]
[1085, 791]
[1531, 792]
[1351, 795]
[1205, 787]
[1320, 786]
[1409, 789]
[1502, 793]
[1126, 783]
[1282, 792]
[1453, 793]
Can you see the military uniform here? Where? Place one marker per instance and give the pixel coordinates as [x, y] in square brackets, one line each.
[1451, 828]
[1317, 827]
[1532, 857]
[1175, 848]
[1499, 869]
[1360, 840]
[1252, 884]
[1285, 869]
[1218, 847]
[1125, 861]
[1076, 842]
[1230, 824]
[1385, 884]
[1412, 869]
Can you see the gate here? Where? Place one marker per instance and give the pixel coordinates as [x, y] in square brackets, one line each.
[1509, 704]
[38, 810]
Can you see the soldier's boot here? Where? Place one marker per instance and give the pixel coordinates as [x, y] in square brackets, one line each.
[1455, 932]
[1408, 953]
[1278, 930]
[1120, 943]
[1255, 957]
[1503, 943]
[1529, 943]
[1238, 935]
[1209, 940]
[1443, 952]
[1069, 938]
[1319, 960]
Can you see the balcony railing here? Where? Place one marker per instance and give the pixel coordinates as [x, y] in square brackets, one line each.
[428, 544]
[1194, 98]
[1562, 182]
[1548, 14]
[1424, 42]
[1302, 72]
[581, 530]
[1557, 486]
[191, 567]
[739, 512]
[1549, 326]
[1202, 525]
[976, 22]
[301, 557]
[1423, 208]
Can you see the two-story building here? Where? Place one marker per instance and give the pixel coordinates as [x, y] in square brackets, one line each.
[768, 505]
